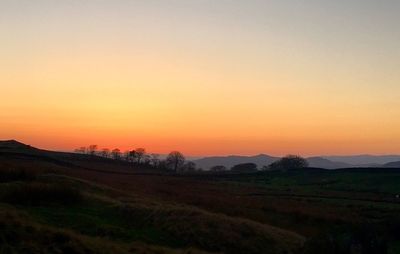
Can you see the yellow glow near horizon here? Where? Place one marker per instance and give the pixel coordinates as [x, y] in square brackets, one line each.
[157, 78]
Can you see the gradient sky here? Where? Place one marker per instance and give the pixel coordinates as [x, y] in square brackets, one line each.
[202, 76]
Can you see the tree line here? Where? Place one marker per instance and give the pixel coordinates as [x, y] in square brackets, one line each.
[174, 161]
[288, 162]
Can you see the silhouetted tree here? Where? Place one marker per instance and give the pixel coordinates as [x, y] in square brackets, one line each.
[92, 150]
[140, 153]
[218, 168]
[163, 165]
[146, 160]
[289, 162]
[244, 167]
[81, 150]
[175, 160]
[132, 156]
[265, 168]
[116, 154]
[126, 156]
[105, 152]
[155, 160]
[189, 166]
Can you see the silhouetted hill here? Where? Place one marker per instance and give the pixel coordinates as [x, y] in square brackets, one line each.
[78, 203]
[13, 145]
[232, 160]
[319, 162]
[394, 164]
[14, 152]
[364, 160]
[264, 160]
[53, 202]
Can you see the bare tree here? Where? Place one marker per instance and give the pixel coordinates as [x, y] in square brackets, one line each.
[92, 149]
[190, 166]
[132, 156]
[105, 152]
[116, 154]
[175, 160]
[81, 150]
[140, 153]
[146, 159]
[126, 156]
[155, 160]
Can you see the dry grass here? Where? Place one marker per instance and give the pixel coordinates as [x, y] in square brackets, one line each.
[210, 231]
[18, 234]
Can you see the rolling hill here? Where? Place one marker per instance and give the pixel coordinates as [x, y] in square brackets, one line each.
[319, 162]
[394, 164]
[365, 160]
[76, 203]
[263, 160]
[230, 161]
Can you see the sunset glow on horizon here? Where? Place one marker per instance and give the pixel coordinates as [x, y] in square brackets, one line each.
[202, 77]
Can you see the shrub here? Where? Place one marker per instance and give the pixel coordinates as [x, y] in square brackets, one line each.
[289, 162]
[349, 239]
[218, 168]
[244, 168]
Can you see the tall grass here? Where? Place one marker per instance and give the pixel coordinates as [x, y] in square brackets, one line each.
[212, 232]
[18, 234]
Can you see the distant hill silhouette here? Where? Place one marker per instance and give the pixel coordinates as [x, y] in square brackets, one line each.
[232, 160]
[327, 162]
[394, 164]
[14, 145]
[12, 151]
[365, 160]
[263, 160]
[319, 162]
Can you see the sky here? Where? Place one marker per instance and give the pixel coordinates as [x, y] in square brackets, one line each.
[205, 77]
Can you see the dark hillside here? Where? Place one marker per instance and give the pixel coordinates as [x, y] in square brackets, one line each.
[104, 215]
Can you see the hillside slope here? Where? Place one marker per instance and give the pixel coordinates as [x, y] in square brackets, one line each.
[70, 214]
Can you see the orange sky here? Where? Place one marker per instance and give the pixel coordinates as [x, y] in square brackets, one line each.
[202, 77]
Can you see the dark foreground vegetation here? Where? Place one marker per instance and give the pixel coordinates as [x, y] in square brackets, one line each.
[66, 203]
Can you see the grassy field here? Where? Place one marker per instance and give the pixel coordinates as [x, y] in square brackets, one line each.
[92, 206]
[87, 213]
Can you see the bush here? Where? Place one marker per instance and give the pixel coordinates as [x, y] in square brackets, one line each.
[289, 162]
[244, 168]
[367, 239]
[218, 168]
[37, 193]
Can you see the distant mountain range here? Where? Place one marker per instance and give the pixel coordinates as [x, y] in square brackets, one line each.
[230, 161]
[320, 162]
[365, 159]
[327, 162]
[394, 164]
